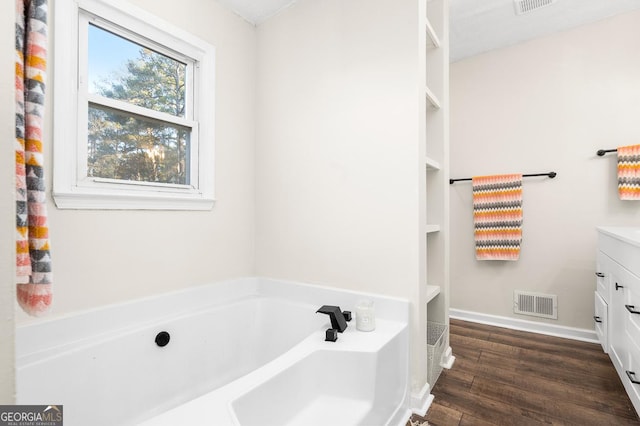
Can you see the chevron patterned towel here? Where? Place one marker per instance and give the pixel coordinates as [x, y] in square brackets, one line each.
[629, 172]
[33, 262]
[497, 216]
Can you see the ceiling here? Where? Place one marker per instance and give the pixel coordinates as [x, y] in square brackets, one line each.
[257, 11]
[478, 26]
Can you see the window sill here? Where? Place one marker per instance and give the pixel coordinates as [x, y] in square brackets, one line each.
[131, 201]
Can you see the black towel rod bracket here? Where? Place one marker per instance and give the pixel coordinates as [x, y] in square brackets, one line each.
[551, 175]
[602, 152]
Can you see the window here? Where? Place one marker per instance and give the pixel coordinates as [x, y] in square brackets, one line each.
[133, 122]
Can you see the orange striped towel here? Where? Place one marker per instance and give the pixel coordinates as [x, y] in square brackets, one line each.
[497, 216]
[629, 172]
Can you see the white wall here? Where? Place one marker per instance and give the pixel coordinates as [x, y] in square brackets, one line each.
[336, 136]
[337, 144]
[103, 257]
[7, 202]
[548, 104]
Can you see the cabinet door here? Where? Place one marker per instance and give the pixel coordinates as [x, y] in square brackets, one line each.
[618, 341]
[601, 321]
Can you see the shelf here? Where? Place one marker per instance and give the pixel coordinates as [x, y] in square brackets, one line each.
[432, 36]
[432, 164]
[432, 228]
[433, 100]
[432, 291]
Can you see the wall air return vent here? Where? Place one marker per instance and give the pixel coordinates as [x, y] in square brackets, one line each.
[535, 304]
[526, 6]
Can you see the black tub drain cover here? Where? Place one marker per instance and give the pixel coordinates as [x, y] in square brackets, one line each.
[162, 339]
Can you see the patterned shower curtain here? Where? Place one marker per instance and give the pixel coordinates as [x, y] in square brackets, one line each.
[33, 261]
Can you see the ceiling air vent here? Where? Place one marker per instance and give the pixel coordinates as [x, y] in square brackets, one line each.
[526, 6]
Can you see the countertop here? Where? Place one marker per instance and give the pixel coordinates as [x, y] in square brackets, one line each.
[629, 234]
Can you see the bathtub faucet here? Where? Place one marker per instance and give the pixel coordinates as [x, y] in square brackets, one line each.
[338, 318]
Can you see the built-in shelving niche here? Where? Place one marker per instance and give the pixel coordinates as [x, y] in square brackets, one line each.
[436, 174]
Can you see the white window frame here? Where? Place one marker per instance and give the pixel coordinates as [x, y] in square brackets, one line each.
[72, 188]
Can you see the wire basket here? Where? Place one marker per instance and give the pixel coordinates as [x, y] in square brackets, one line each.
[436, 345]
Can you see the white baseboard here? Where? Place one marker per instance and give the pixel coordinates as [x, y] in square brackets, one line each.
[581, 334]
[421, 401]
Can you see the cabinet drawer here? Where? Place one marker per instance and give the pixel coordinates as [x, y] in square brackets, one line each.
[632, 373]
[632, 298]
[633, 329]
[603, 275]
[601, 321]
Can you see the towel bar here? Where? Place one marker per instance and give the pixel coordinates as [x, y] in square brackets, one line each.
[550, 174]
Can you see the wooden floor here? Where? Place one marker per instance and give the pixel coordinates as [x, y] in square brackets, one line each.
[508, 377]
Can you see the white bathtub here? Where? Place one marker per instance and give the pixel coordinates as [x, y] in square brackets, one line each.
[248, 352]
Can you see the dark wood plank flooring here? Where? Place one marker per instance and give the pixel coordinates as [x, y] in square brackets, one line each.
[509, 377]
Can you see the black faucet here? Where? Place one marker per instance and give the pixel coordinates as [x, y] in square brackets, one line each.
[338, 318]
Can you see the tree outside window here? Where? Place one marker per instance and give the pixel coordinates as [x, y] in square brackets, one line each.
[125, 146]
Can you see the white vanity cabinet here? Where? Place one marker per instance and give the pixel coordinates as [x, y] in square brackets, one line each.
[617, 303]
